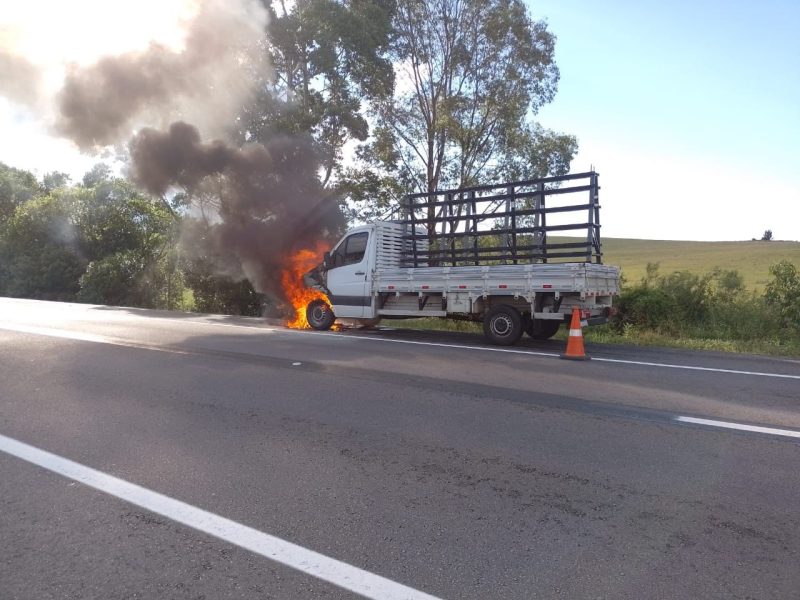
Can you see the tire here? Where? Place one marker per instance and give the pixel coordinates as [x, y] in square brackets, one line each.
[542, 329]
[502, 325]
[319, 315]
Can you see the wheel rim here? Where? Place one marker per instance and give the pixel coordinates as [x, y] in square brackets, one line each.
[318, 314]
[501, 325]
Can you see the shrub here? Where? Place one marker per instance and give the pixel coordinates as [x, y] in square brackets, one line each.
[783, 294]
[714, 305]
[645, 307]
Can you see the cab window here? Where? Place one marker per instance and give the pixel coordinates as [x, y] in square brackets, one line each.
[351, 250]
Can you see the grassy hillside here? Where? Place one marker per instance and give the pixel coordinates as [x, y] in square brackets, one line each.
[751, 259]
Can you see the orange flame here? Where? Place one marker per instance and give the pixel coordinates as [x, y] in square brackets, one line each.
[293, 287]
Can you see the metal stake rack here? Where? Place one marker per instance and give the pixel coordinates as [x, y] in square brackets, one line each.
[506, 223]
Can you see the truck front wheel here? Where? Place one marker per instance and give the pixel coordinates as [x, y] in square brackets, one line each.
[542, 329]
[319, 315]
[502, 325]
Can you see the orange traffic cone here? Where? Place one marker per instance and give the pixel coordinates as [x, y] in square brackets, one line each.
[575, 349]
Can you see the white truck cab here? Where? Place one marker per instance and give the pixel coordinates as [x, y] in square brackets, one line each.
[349, 271]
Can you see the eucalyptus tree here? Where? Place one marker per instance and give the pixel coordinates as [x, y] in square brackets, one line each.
[471, 75]
[329, 61]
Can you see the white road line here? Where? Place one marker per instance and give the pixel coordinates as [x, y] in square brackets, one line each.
[729, 425]
[297, 557]
[548, 354]
[693, 368]
[337, 336]
[349, 336]
[87, 337]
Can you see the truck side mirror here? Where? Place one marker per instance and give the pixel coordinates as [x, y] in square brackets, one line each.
[326, 260]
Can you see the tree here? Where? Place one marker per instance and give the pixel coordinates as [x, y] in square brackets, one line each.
[54, 180]
[39, 250]
[97, 174]
[16, 186]
[128, 239]
[767, 237]
[471, 76]
[214, 275]
[328, 58]
[113, 216]
[113, 279]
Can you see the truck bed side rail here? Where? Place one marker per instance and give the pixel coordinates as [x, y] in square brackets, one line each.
[507, 223]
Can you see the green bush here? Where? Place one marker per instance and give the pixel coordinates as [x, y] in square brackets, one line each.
[712, 306]
[783, 294]
[645, 307]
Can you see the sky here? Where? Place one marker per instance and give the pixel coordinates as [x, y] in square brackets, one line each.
[73, 32]
[690, 111]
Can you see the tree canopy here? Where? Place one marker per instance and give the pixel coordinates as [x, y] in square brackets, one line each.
[471, 76]
[329, 58]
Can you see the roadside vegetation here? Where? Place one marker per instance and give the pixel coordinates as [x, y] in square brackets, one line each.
[103, 241]
[712, 311]
[342, 77]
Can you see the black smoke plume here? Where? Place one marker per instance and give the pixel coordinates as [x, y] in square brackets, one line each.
[206, 81]
[270, 205]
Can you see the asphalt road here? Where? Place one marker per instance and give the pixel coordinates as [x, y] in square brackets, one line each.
[425, 459]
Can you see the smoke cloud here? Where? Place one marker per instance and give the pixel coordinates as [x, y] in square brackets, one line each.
[19, 79]
[271, 202]
[206, 82]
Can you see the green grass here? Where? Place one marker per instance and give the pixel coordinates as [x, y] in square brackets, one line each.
[751, 259]
[634, 337]
[642, 337]
[434, 324]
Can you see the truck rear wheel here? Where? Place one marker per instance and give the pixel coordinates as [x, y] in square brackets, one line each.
[319, 315]
[502, 325]
[542, 329]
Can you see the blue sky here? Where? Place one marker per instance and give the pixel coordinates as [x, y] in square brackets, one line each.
[690, 111]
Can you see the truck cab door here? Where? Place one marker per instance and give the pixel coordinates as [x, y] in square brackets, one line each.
[347, 277]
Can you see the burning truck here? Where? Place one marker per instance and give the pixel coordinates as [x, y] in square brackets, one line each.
[484, 253]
